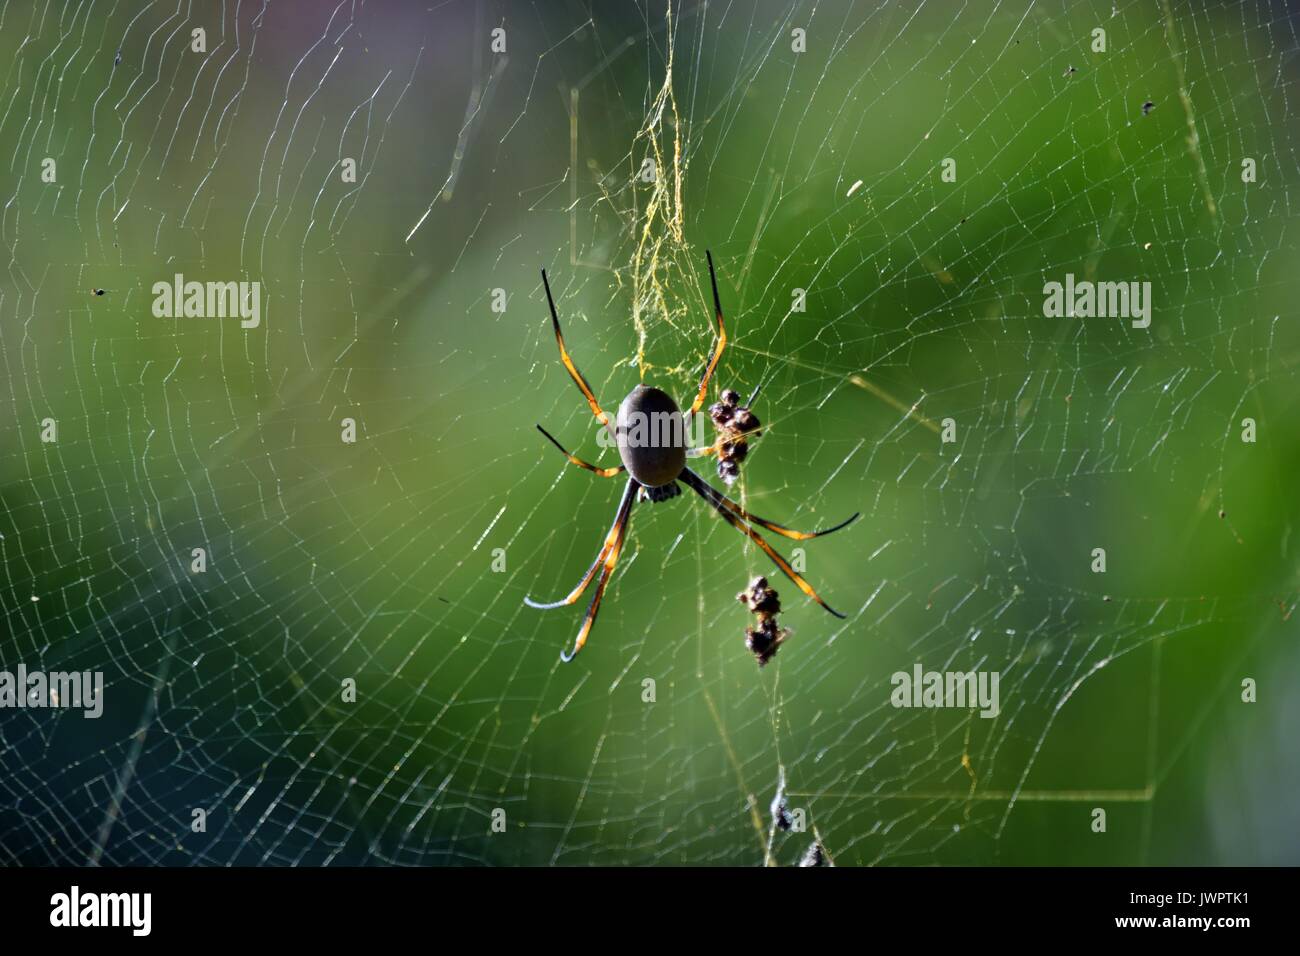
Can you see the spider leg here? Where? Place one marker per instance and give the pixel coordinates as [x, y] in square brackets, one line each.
[603, 472]
[620, 520]
[705, 491]
[568, 362]
[709, 450]
[619, 531]
[785, 532]
[704, 452]
[717, 350]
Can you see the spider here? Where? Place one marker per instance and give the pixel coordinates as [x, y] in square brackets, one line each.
[654, 467]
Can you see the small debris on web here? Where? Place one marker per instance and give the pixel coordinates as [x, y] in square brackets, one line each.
[763, 602]
[1070, 71]
[781, 818]
[1147, 107]
[814, 856]
[736, 424]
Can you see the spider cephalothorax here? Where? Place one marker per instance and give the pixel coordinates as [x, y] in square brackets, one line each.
[660, 492]
[650, 431]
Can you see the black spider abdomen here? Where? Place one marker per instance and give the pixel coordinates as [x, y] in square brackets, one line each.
[651, 435]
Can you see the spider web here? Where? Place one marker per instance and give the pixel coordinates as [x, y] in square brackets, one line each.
[613, 146]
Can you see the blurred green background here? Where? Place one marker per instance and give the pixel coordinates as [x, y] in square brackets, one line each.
[374, 561]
